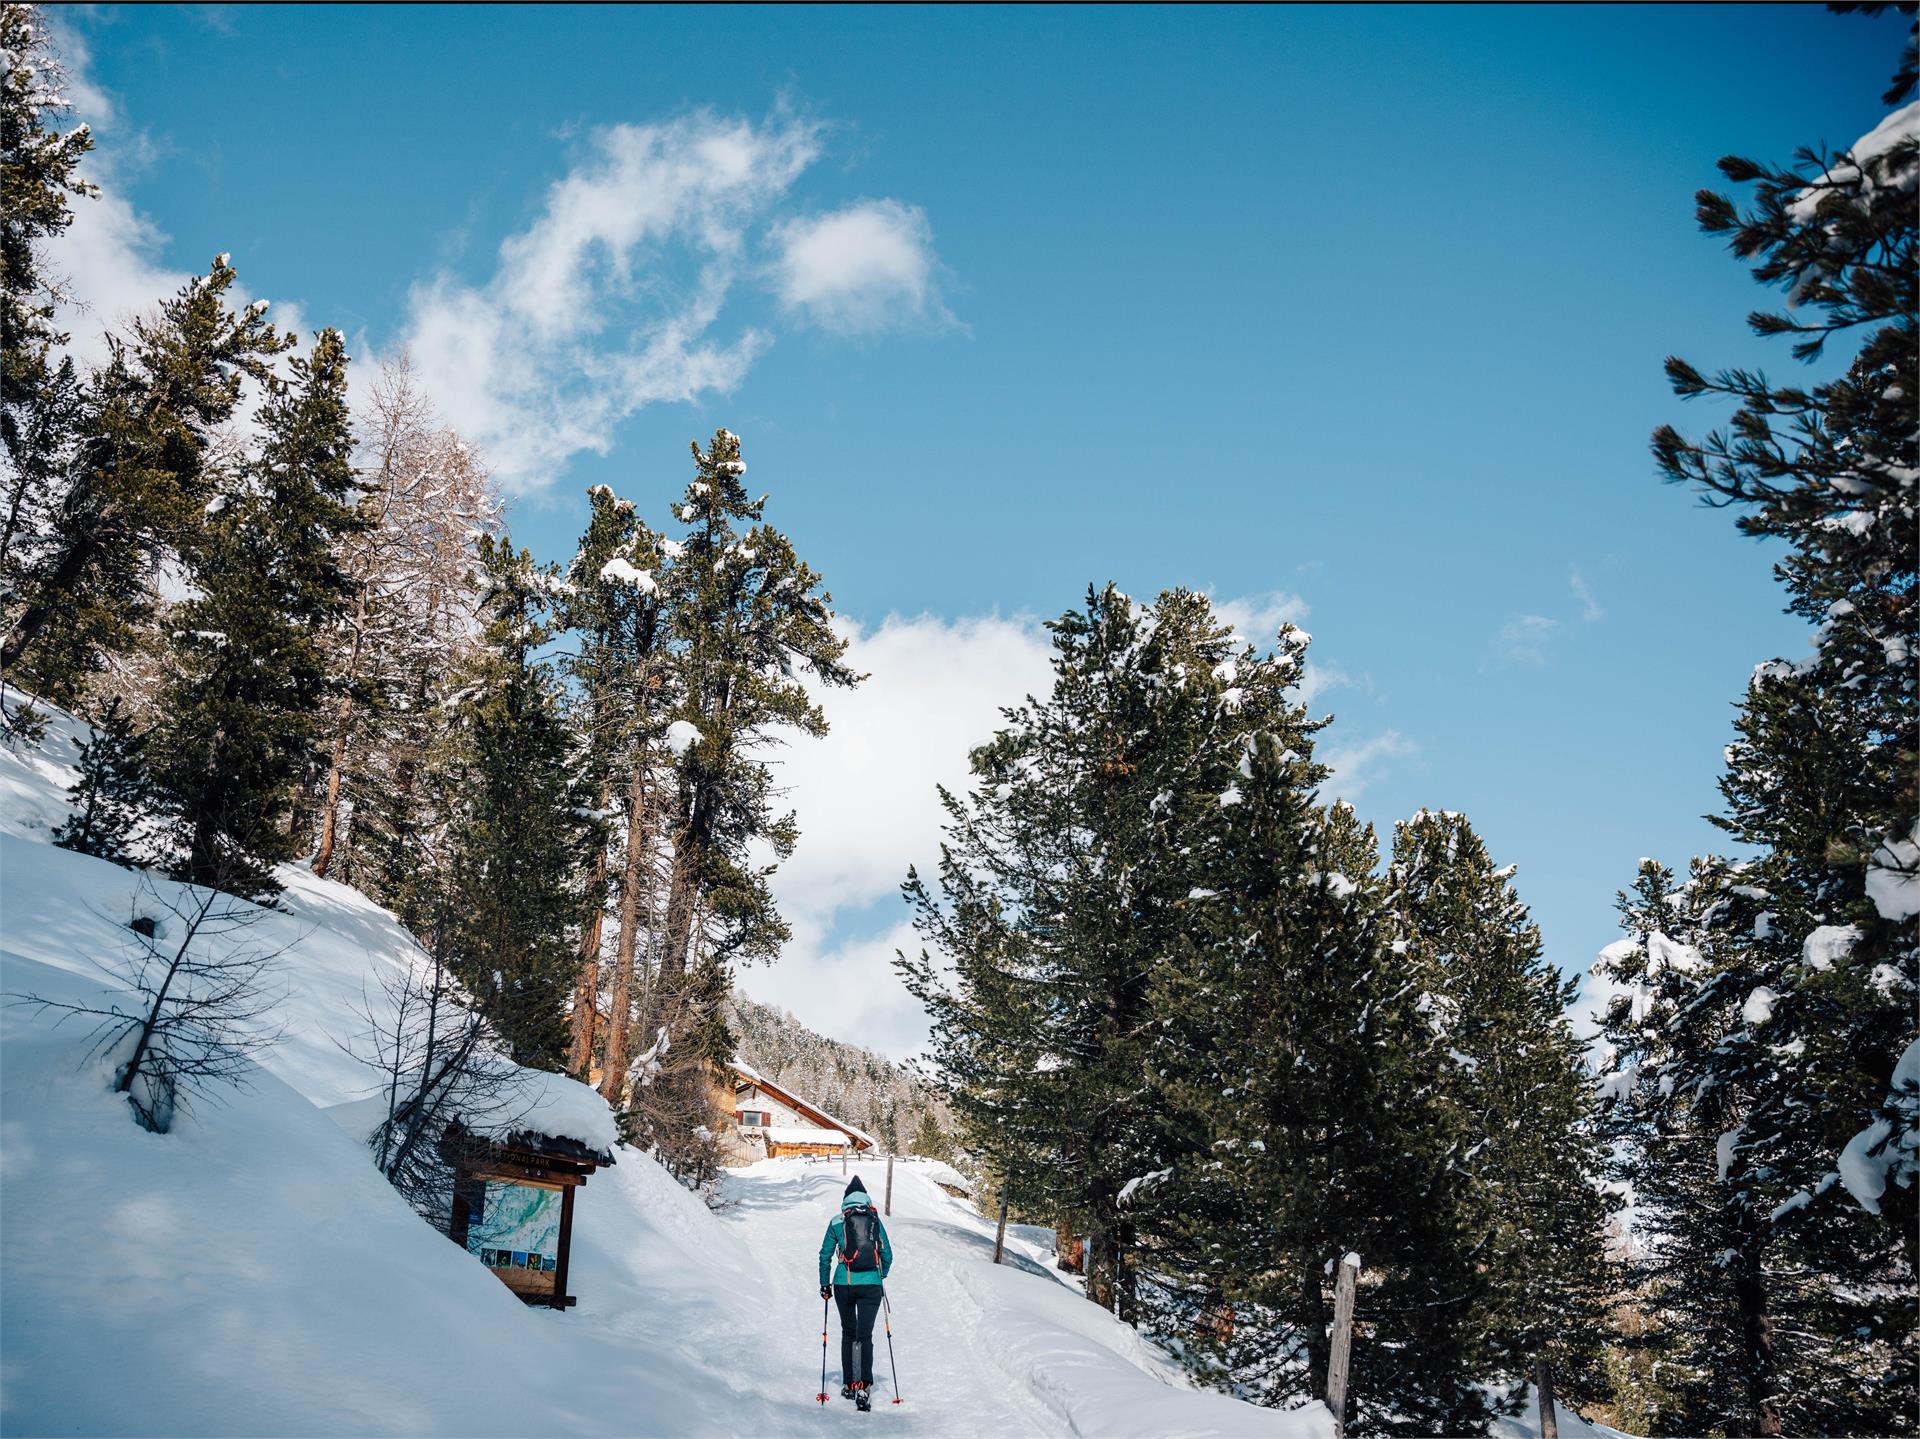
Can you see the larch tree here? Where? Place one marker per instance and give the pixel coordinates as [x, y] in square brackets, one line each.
[414, 570]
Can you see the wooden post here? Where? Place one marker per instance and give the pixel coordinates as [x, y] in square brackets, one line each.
[560, 1300]
[1000, 1238]
[1543, 1387]
[1342, 1342]
[889, 1208]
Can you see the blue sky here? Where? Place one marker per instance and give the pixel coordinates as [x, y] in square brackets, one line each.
[1354, 316]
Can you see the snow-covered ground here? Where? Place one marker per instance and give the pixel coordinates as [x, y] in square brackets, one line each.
[251, 1273]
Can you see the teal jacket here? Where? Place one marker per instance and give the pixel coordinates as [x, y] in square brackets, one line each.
[833, 1269]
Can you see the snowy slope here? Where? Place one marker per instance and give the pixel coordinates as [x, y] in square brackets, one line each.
[250, 1273]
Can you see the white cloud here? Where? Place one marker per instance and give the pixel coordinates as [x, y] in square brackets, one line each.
[865, 793]
[1523, 639]
[109, 256]
[608, 300]
[1256, 619]
[868, 809]
[1355, 766]
[1589, 607]
[866, 268]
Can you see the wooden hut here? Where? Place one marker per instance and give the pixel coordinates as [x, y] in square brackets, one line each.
[772, 1120]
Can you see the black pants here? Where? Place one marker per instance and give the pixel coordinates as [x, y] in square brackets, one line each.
[859, 1306]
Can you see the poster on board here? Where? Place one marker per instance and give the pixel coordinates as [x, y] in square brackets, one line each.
[518, 1227]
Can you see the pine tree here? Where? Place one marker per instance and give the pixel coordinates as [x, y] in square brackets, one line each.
[1704, 1241]
[1065, 880]
[113, 793]
[1519, 1081]
[1309, 1107]
[137, 486]
[747, 614]
[1799, 1034]
[240, 714]
[39, 395]
[616, 607]
[516, 840]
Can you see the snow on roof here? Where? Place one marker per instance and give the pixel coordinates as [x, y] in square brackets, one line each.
[553, 1105]
[796, 1134]
[753, 1076]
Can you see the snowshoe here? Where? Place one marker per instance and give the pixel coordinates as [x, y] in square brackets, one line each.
[863, 1397]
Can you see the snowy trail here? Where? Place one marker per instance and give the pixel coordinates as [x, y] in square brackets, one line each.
[950, 1380]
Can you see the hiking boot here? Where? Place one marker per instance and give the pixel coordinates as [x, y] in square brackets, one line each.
[863, 1397]
[846, 1391]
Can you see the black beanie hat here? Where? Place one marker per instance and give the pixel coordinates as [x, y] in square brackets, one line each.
[853, 1184]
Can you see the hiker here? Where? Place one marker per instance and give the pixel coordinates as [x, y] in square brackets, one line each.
[854, 1260]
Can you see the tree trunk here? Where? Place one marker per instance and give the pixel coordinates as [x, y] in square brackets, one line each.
[680, 897]
[1313, 1324]
[1099, 1277]
[34, 618]
[1756, 1327]
[618, 1019]
[330, 811]
[586, 987]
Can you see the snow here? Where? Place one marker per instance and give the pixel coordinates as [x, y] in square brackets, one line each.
[554, 1105]
[1724, 1149]
[1864, 1164]
[1664, 953]
[803, 1134]
[1135, 1185]
[1759, 1006]
[251, 1273]
[1893, 878]
[1829, 943]
[1526, 1424]
[682, 736]
[621, 571]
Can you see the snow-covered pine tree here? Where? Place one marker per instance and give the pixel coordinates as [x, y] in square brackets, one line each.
[1521, 1085]
[517, 839]
[747, 614]
[744, 616]
[1064, 882]
[1805, 1012]
[137, 484]
[113, 793]
[242, 708]
[615, 607]
[1306, 1102]
[39, 393]
[1701, 1250]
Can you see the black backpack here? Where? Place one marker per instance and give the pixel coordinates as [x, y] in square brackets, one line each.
[860, 1239]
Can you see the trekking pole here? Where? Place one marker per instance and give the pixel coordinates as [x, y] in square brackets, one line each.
[891, 1367]
[822, 1395]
